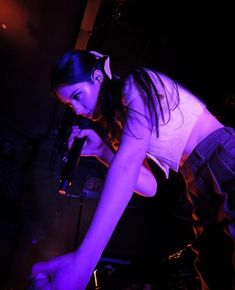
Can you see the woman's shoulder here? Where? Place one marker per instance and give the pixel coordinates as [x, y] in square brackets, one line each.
[129, 89]
[142, 82]
[158, 79]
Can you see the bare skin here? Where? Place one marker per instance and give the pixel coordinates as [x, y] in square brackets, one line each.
[205, 125]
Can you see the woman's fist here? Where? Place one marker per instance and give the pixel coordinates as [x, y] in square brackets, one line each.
[93, 145]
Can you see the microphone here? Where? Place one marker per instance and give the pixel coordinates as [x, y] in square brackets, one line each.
[72, 160]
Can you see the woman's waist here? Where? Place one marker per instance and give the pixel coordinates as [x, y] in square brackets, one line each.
[205, 125]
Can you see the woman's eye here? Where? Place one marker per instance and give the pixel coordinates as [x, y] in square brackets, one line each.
[76, 96]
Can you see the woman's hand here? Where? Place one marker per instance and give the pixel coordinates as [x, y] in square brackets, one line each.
[93, 146]
[59, 273]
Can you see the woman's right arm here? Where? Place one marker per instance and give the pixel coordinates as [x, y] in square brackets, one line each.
[94, 146]
[146, 183]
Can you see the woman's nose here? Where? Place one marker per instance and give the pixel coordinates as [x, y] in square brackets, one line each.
[76, 108]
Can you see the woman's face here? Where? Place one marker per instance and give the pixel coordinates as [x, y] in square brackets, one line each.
[82, 97]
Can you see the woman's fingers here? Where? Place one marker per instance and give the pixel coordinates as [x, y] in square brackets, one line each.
[84, 133]
[78, 133]
[41, 267]
[41, 281]
[93, 144]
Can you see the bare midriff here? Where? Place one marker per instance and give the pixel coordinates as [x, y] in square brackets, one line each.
[206, 124]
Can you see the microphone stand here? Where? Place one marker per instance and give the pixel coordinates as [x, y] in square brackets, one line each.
[82, 196]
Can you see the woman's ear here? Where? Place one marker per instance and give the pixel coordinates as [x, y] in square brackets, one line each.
[97, 76]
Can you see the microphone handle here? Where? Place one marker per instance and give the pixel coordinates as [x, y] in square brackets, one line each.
[71, 164]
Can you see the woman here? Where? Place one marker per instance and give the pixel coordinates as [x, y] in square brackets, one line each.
[145, 114]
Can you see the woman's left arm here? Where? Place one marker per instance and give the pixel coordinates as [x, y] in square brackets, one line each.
[118, 189]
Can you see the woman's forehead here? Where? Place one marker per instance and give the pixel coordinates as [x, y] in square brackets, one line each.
[67, 89]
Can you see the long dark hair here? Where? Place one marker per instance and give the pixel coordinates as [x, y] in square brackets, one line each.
[152, 94]
[73, 67]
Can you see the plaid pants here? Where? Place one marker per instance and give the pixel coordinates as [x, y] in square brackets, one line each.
[209, 174]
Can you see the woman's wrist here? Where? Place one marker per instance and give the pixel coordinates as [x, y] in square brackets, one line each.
[105, 155]
[88, 258]
[100, 151]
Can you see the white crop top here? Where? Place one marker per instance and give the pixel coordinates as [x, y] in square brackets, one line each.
[166, 149]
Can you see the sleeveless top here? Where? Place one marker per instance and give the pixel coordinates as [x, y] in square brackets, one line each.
[185, 109]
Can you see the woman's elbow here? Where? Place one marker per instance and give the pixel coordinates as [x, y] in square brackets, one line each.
[152, 190]
[149, 190]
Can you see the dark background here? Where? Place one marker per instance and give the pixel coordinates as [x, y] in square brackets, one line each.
[191, 41]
